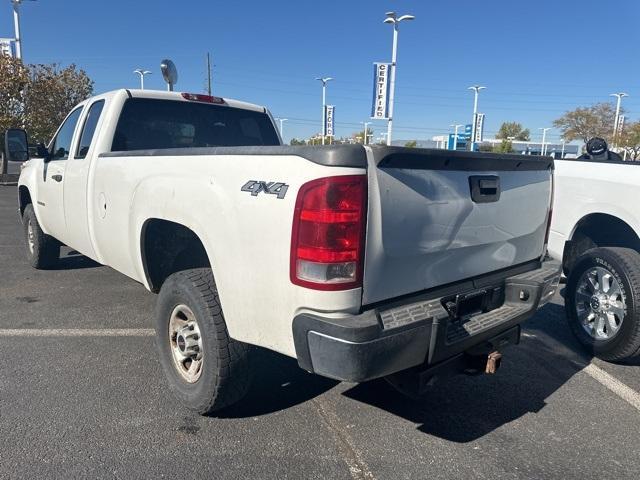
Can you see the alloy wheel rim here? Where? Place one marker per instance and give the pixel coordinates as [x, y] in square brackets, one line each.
[600, 303]
[185, 342]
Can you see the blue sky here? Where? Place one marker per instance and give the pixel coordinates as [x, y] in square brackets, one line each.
[537, 58]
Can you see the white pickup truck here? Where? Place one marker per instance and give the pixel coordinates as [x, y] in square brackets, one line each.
[595, 231]
[360, 262]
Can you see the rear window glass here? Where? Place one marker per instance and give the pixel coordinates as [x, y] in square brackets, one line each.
[159, 124]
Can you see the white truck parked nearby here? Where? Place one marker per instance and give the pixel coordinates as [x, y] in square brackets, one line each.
[360, 262]
[595, 231]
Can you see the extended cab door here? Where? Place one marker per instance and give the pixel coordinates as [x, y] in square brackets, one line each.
[51, 182]
[76, 179]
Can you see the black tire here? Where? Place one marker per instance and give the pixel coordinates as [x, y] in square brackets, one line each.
[624, 265]
[225, 371]
[43, 251]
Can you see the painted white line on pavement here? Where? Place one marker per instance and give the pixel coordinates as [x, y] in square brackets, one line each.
[77, 332]
[616, 386]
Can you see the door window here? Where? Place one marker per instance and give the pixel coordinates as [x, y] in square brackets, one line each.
[89, 128]
[61, 144]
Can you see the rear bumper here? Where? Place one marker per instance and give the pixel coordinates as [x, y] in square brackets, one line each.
[399, 335]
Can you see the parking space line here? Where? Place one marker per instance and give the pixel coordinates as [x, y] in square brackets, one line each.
[77, 332]
[616, 386]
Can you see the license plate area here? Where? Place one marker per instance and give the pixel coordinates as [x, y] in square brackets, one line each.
[464, 305]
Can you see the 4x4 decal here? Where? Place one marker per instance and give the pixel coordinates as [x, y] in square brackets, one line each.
[274, 188]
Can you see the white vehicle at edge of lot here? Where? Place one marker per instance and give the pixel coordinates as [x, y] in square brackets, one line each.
[595, 227]
[360, 262]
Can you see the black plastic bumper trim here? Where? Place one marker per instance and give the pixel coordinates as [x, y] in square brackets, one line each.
[357, 348]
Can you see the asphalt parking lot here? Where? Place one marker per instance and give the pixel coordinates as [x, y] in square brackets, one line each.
[80, 403]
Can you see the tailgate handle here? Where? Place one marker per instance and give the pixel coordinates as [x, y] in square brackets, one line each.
[484, 188]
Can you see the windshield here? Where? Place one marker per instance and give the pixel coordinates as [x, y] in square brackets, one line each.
[160, 124]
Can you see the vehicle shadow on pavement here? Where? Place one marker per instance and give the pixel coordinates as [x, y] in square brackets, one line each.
[73, 260]
[465, 408]
[278, 383]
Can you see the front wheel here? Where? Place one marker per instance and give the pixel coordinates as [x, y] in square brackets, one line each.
[43, 251]
[206, 369]
[603, 302]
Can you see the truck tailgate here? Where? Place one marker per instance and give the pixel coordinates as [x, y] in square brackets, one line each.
[437, 217]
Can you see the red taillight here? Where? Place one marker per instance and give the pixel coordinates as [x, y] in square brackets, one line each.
[198, 97]
[327, 241]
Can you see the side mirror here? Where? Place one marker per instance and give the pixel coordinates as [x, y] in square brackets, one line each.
[43, 152]
[16, 146]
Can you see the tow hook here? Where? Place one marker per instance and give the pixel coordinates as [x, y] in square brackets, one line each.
[493, 362]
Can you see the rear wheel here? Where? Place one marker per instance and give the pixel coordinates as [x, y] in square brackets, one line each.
[603, 302]
[206, 369]
[43, 251]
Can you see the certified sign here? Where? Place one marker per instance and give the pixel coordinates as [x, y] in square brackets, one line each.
[479, 126]
[328, 119]
[381, 85]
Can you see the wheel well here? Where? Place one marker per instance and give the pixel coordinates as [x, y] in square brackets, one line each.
[598, 230]
[167, 248]
[24, 197]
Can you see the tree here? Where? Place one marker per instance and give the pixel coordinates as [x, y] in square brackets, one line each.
[358, 136]
[14, 76]
[515, 130]
[51, 94]
[503, 147]
[411, 144]
[587, 122]
[630, 140]
[295, 141]
[39, 97]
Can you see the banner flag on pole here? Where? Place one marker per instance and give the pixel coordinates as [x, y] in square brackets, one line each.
[620, 125]
[381, 88]
[328, 120]
[479, 127]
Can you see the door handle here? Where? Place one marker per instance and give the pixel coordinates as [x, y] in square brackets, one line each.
[57, 178]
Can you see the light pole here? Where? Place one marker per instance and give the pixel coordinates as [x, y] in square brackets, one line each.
[615, 124]
[16, 24]
[392, 18]
[563, 144]
[544, 136]
[365, 138]
[455, 135]
[476, 89]
[142, 73]
[324, 81]
[281, 120]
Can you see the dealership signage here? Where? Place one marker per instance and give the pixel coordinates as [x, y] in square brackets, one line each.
[328, 120]
[5, 47]
[381, 86]
[479, 126]
[620, 125]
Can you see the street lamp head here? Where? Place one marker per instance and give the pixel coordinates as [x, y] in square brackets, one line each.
[389, 20]
[619, 95]
[390, 14]
[406, 17]
[324, 80]
[477, 88]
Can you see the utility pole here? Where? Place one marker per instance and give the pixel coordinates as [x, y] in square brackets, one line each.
[615, 121]
[209, 78]
[544, 136]
[391, 18]
[476, 90]
[455, 135]
[324, 81]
